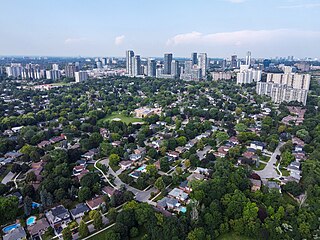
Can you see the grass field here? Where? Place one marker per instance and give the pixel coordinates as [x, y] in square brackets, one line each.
[285, 172]
[122, 118]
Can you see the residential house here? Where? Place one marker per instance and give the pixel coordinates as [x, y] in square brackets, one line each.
[178, 194]
[39, 228]
[43, 144]
[108, 191]
[257, 145]
[79, 210]
[125, 165]
[16, 234]
[95, 203]
[255, 184]
[135, 157]
[195, 176]
[173, 154]
[58, 216]
[168, 203]
[184, 186]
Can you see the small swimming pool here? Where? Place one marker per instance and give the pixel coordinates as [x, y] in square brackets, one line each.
[9, 228]
[31, 220]
[141, 168]
[183, 209]
[35, 205]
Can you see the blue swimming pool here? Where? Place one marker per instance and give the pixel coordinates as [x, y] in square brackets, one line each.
[10, 228]
[140, 169]
[31, 220]
[183, 209]
[35, 205]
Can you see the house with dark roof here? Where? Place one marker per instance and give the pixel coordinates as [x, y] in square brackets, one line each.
[58, 216]
[79, 210]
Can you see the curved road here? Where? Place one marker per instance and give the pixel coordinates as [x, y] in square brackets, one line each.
[141, 196]
[270, 169]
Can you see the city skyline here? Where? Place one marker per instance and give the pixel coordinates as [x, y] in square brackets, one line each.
[221, 28]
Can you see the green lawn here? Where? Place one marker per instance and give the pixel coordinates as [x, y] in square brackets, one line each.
[261, 167]
[285, 172]
[232, 236]
[122, 118]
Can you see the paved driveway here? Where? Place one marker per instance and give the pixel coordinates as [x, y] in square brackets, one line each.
[270, 169]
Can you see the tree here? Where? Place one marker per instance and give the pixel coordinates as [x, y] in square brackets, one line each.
[152, 170]
[303, 134]
[27, 206]
[197, 234]
[221, 136]
[66, 233]
[8, 209]
[97, 221]
[294, 188]
[181, 141]
[112, 235]
[83, 229]
[95, 139]
[159, 184]
[31, 177]
[114, 159]
[134, 232]
[84, 194]
[152, 153]
[241, 127]
[164, 164]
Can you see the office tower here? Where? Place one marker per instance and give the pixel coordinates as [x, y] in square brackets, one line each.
[248, 58]
[55, 66]
[247, 75]
[104, 61]
[266, 63]
[175, 68]
[99, 64]
[81, 76]
[233, 61]
[188, 66]
[136, 66]
[194, 58]
[129, 62]
[152, 67]
[70, 70]
[203, 64]
[167, 63]
[53, 74]
[224, 64]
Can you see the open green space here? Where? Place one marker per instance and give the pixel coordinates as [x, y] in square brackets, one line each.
[121, 117]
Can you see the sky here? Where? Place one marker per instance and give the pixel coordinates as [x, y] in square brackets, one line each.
[268, 28]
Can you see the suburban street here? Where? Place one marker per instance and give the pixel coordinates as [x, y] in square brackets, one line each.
[270, 169]
[140, 195]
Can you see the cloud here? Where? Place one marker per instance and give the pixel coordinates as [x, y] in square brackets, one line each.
[238, 37]
[273, 42]
[74, 40]
[306, 5]
[119, 40]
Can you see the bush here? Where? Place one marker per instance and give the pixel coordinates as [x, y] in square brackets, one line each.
[134, 232]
